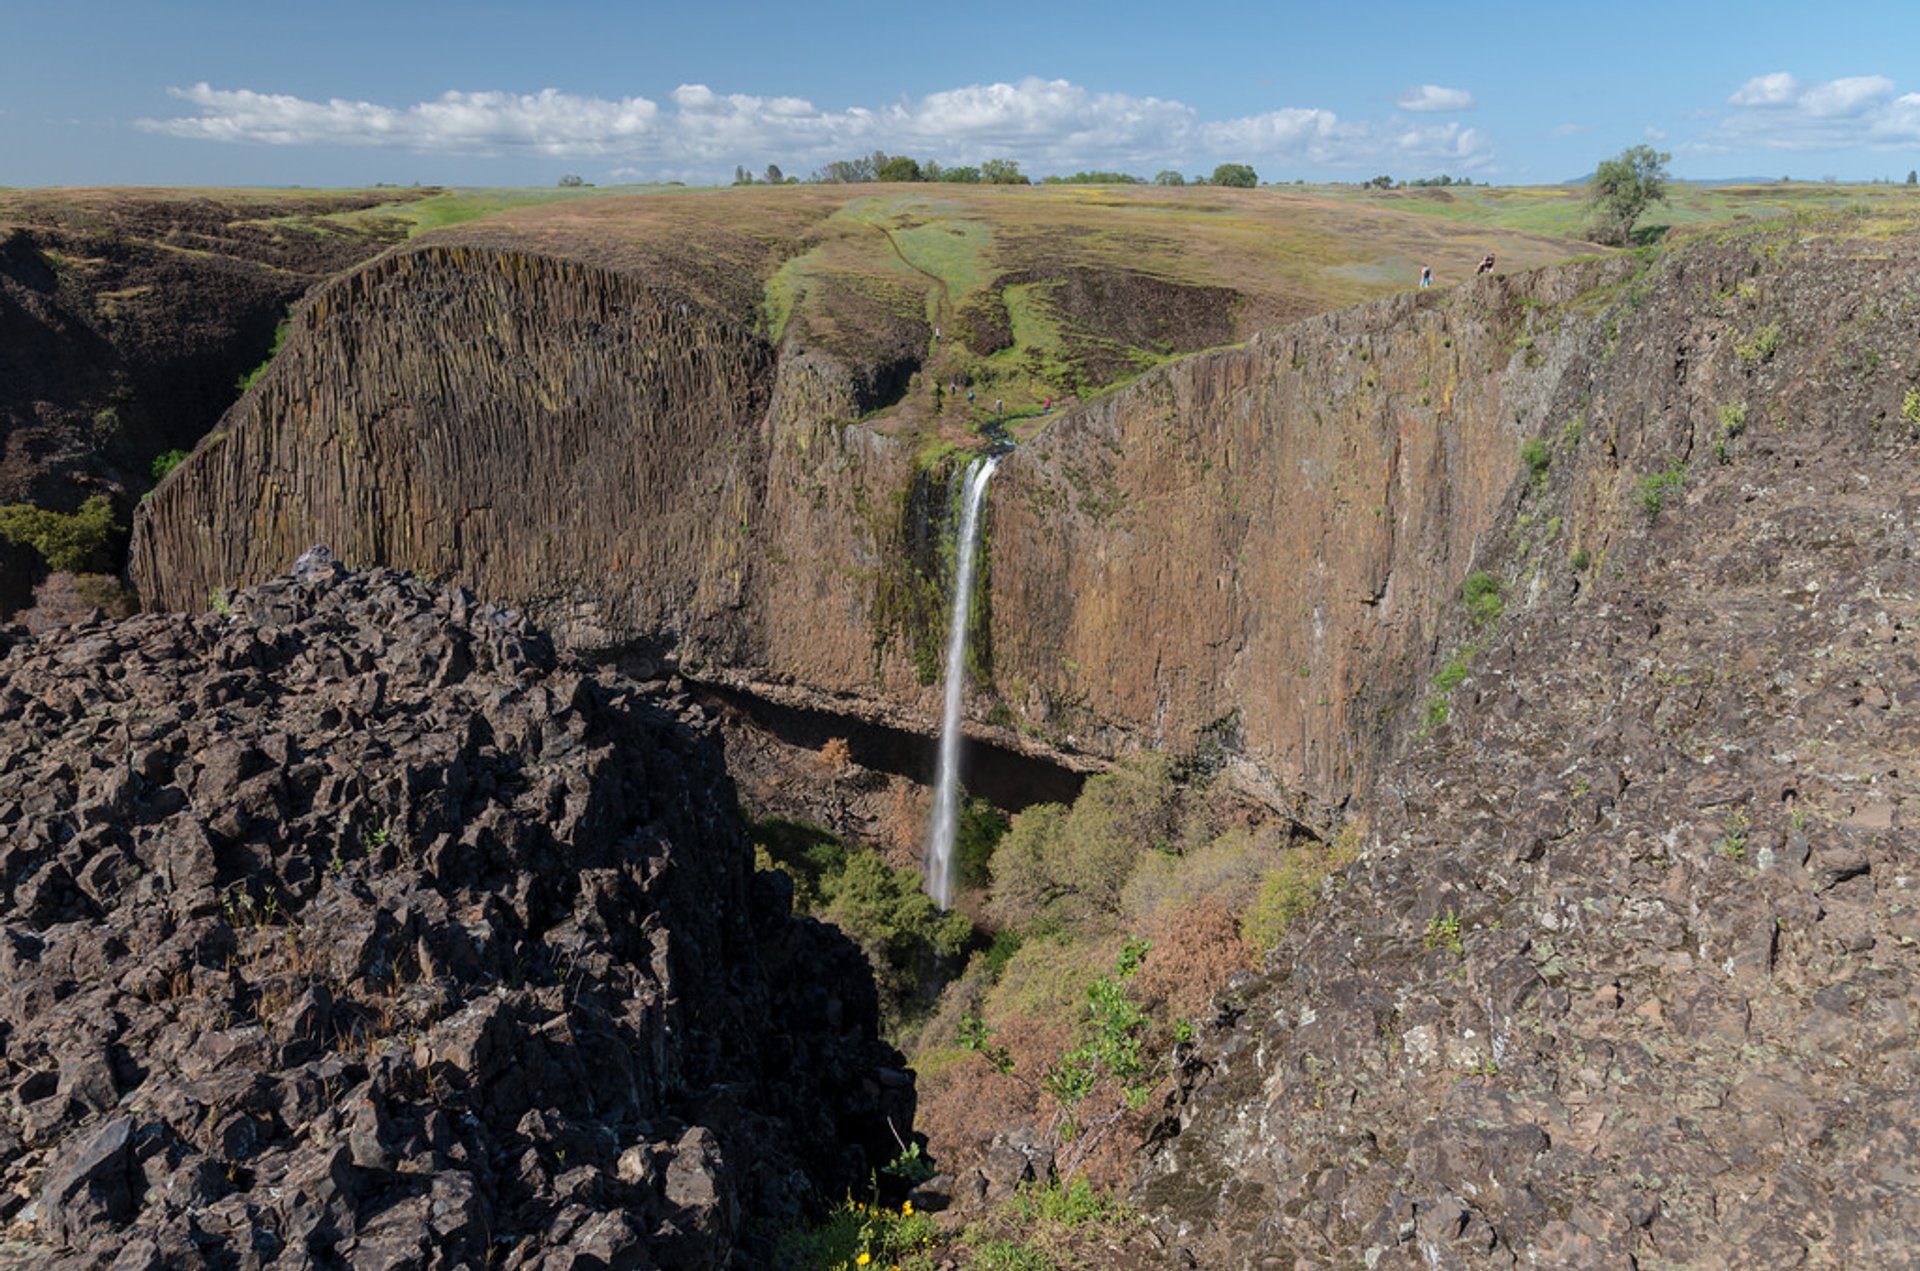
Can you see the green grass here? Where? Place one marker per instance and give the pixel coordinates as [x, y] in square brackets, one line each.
[1562, 210]
[459, 206]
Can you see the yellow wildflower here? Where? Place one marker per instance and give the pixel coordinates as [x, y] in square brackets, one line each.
[907, 1208]
[863, 1259]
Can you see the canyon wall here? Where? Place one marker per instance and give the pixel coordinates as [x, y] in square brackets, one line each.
[1254, 548]
[1624, 973]
[1246, 550]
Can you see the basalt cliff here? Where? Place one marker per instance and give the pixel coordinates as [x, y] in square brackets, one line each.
[618, 448]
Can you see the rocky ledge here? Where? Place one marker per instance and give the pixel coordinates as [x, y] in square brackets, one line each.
[351, 925]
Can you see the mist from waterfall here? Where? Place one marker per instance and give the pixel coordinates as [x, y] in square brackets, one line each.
[946, 789]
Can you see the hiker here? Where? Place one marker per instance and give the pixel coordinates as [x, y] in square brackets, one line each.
[1426, 275]
[1048, 408]
[1486, 266]
[997, 404]
[969, 397]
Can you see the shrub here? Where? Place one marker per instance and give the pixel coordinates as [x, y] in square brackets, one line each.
[1450, 676]
[70, 542]
[252, 377]
[1063, 867]
[1537, 457]
[1733, 419]
[165, 463]
[1760, 346]
[908, 939]
[1227, 868]
[981, 828]
[1654, 487]
[1239, 175]
[1291, 887]
[1480, 593]
[1910, 409]
[806, 853]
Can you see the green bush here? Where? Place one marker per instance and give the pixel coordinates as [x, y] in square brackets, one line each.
[1060, 867]
[911, 943]
[1228, 868]
[981, 828]
[1480, 593]
[165, 463]
[1760, 346]
[1450, 676]
[252, 377]
[1537, 457]
[1655, 486]
[80, 542]
[805, 853]
[1292, 887]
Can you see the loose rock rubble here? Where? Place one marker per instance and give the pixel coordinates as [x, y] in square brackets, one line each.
[350, 925]
[1627, 974]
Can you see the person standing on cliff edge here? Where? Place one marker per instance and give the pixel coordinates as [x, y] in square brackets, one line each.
[1486, 266]
[1426, 276]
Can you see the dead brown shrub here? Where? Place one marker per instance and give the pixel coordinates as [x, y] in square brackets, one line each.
[836, 756]
[1195, 949]
[64, 599]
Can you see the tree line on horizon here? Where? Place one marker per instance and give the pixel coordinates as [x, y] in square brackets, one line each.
[881, 166]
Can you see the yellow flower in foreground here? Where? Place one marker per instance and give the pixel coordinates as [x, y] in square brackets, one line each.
[907, 1208]
[863, 1259]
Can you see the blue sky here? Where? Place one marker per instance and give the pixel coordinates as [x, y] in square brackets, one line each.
[206, 92]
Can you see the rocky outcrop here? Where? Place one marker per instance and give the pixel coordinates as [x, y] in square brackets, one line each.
[1627, 972]
[351, 924]
[126, 316]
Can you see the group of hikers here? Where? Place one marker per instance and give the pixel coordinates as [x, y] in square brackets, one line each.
[1486, 267]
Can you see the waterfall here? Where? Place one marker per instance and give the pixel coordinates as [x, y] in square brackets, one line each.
[946, 789]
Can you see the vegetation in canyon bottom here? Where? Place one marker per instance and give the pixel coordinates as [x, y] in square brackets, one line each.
[1058, 993]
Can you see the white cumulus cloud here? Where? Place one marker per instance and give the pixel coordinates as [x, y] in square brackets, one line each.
[1048, 124]
[1433, 98]
[1777, 89]
[1781, 112]
[1844, 97]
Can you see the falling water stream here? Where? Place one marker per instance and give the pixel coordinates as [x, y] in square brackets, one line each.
[946, 789]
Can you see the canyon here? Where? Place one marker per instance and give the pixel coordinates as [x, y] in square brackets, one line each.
[1583, 595]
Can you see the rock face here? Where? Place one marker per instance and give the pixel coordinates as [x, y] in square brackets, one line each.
[1627, 973]
[646, 476]
[127, 315]
[350, 924]
[1257, 547]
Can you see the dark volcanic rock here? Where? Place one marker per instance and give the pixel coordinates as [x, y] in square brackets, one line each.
[352, 925]
[1626, 975]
